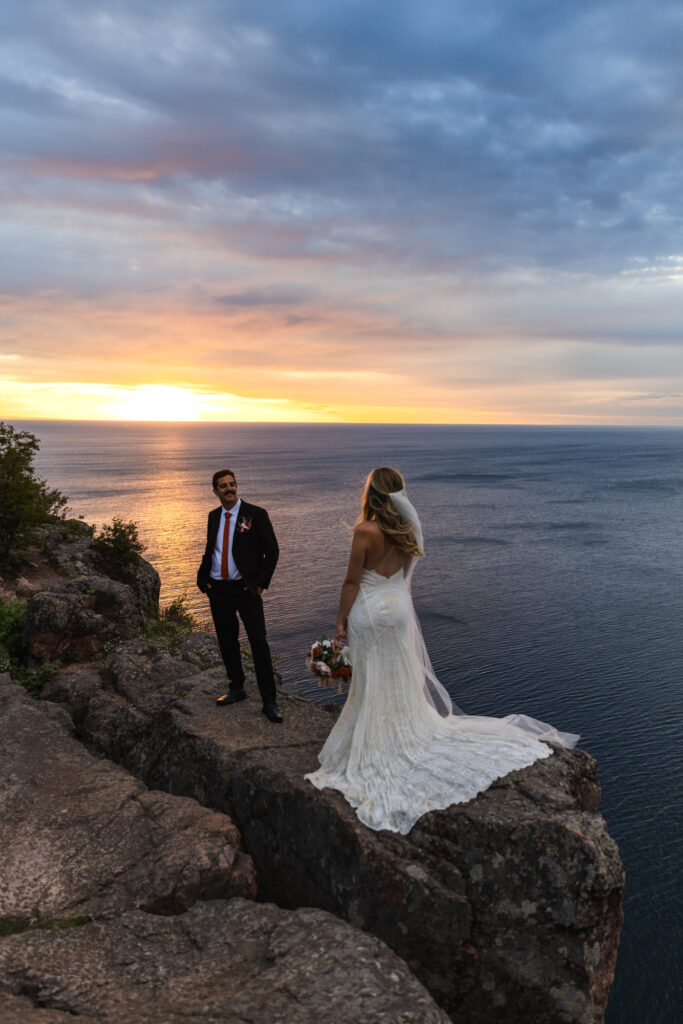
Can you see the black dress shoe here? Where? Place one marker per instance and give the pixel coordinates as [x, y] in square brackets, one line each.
[232, 697]
[272, 712]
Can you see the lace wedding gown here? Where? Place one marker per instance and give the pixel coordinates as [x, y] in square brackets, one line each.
[397, 749]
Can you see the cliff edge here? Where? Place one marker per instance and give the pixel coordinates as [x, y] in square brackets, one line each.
[506, 908]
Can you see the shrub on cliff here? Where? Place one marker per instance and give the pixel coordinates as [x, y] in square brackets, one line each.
[172, 625]
[118, 542]
[25, 500]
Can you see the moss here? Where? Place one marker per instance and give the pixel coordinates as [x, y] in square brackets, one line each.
[16, 925]
[13, 925]
[110, 646]
[33, 682]
[77, 921]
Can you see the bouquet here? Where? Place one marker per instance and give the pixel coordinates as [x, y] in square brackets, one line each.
[330, 663]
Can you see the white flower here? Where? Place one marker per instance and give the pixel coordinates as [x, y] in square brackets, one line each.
[322, 668]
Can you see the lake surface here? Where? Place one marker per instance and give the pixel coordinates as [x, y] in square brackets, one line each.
[552, 584]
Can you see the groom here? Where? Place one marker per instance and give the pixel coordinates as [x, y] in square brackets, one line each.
[239, 561]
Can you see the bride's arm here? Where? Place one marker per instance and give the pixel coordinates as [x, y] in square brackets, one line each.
[349, 590]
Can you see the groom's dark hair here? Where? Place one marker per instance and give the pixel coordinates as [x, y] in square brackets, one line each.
[219, 474]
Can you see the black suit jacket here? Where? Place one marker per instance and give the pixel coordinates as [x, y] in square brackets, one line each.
[254, 547]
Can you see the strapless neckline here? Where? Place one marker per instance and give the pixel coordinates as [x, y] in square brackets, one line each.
[381, 574]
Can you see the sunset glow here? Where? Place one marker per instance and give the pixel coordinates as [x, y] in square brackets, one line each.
[204, 220]
[154, 402]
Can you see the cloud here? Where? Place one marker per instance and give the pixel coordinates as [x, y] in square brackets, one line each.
[438, 129]
[255, 298]
[423, 186]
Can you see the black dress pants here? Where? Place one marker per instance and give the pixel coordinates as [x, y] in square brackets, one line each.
[228, 599]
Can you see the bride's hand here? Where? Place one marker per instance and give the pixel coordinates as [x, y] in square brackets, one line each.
[340, 635]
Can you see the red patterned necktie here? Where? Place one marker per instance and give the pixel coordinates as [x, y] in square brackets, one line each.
[226, 541]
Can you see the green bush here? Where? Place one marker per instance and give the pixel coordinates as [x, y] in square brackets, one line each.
[33, 682]
[175, 622]
[25, 500]
[12, 618]
[119, 542]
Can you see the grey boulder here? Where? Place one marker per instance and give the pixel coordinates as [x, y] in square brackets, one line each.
[73, 620]
[80, 836]
[71, 549]
[229, 962]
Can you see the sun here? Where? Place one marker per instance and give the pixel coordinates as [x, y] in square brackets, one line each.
[156, 402]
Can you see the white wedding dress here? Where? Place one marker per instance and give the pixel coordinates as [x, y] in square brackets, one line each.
[398, 749]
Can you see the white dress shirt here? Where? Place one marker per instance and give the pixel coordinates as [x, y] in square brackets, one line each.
[233, 571]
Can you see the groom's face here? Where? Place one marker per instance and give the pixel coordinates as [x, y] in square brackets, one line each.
[226, 491]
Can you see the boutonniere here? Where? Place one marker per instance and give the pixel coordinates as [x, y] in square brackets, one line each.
[244, 524]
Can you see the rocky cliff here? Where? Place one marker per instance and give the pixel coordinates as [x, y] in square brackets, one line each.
[504, 909]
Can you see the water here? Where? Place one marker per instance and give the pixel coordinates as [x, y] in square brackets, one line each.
[553, 585]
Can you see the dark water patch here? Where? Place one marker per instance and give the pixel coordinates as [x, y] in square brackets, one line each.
[441, 617]
[466, 541]
[547, 525]
[481, 540]
[485, 506]
[571, 526]
[566, 501]
[648, 485]
[465, 478]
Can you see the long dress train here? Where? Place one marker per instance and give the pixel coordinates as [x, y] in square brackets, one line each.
[391, 752]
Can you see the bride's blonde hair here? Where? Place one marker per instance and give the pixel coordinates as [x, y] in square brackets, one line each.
[376, 504]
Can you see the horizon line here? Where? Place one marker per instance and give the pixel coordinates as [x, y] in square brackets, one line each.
[341, 423]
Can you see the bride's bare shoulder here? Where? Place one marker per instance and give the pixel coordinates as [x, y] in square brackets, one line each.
[367, 529]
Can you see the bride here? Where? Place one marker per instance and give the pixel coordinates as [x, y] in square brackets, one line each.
[399, 747]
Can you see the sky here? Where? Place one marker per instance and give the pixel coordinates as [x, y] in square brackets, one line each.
[333, 210]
